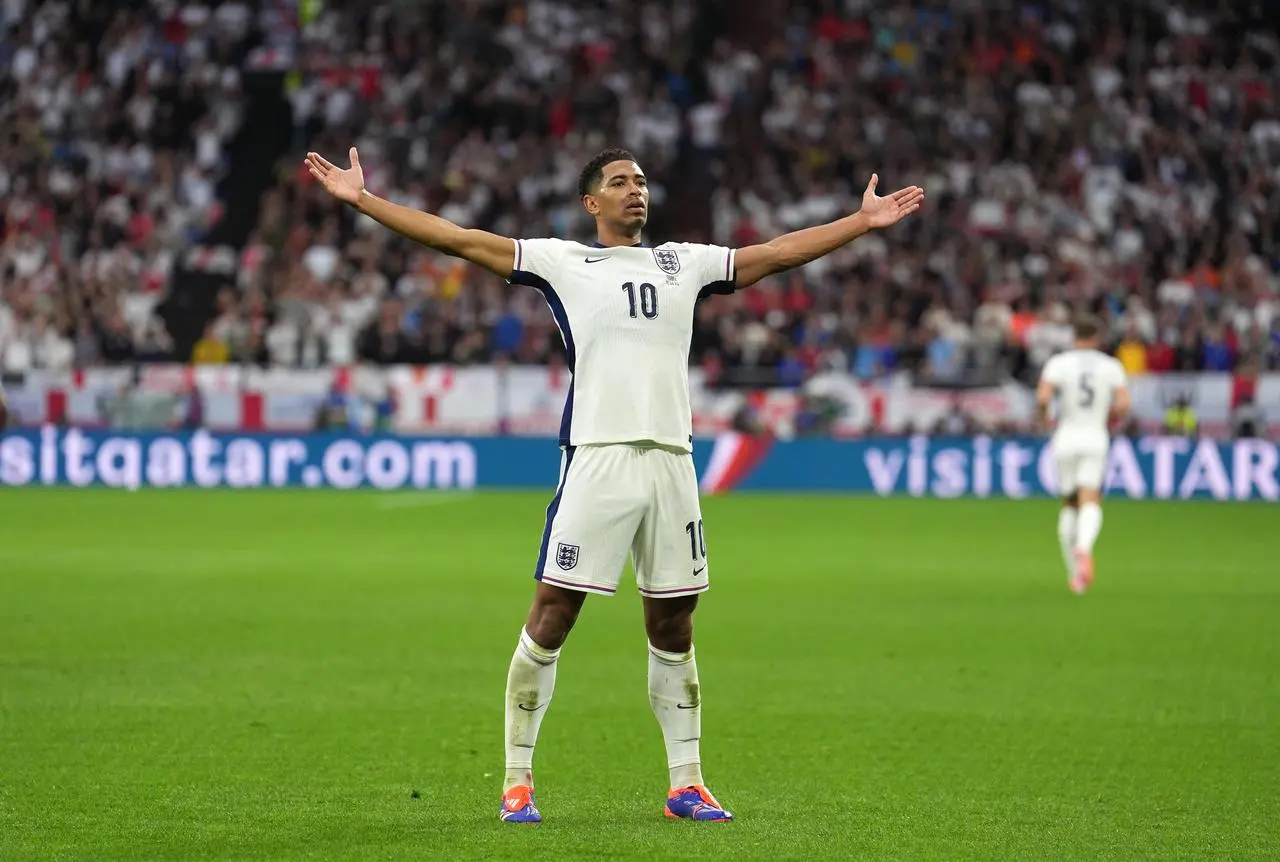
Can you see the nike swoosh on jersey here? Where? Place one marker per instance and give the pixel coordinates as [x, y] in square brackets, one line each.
[527, 709]
[697, 572]
[593, 259]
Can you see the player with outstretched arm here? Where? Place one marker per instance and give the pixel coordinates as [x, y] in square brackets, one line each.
[1091, 391]
[627, 483]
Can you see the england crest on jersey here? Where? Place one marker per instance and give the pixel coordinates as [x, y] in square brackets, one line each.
[566, 556]
[668, 261]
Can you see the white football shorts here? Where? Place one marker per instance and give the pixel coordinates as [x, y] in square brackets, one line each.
[1081, 469]
[618, 499]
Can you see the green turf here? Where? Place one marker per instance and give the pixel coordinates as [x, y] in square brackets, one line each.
[192, 675]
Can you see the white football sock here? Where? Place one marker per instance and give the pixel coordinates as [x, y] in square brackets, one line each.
[676, 699]
[1067, 538]
[1089, 526]
[530, 682]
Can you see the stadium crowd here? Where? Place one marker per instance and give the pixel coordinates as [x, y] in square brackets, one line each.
[113, 125]
[1120, 159]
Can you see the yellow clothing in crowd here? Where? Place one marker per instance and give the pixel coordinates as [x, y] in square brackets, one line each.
[210, 351]
[1133, 356]
[1181, 421]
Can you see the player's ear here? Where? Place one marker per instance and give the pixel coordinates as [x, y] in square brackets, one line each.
[591, 205]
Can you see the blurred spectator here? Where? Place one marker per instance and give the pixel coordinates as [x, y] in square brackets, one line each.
[1160, 358]
[335, 412]
[210, 349]
[51, 348]
[943, 353]
[956, 421]
[1180, 419]
[1217, 349]
[1132, 352]
[193, 408]
[1048, 333]
[1244, 383]
[747, 421]
[1247, 418]
[1188, 356]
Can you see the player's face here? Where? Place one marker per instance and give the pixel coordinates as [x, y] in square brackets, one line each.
[623, 198]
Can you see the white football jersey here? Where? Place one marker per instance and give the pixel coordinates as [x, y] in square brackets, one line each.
[626, 316]
[1086, 382]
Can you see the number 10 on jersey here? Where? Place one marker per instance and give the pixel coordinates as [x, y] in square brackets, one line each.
[648, 299]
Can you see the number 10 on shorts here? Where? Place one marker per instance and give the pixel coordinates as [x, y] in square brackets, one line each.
[697, 540]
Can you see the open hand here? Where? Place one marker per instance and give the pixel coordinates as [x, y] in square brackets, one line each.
[345, 185]
[888, 211]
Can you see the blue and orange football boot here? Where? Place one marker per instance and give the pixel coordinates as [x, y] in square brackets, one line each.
[695, 803]
[518, 806]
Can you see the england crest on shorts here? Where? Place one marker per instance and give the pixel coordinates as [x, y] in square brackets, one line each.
[566, 556]
[668, 261]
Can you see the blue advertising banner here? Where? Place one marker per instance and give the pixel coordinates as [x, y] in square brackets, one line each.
[1147, 468]
[56, 456]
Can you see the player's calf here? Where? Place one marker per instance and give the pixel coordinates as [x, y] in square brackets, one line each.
[1088, 526]
[674, 691]
[676, 697]
[1067, 524]
[531, 681]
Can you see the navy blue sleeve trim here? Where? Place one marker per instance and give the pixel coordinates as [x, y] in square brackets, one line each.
[718, 288]
[540, 284]
[528, 279]
[561, 316]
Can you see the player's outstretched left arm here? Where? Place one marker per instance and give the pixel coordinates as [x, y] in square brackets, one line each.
[494, 253]
[800, 247]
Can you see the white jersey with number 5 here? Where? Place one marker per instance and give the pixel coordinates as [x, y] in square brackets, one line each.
[1086, 382]
[626, 316]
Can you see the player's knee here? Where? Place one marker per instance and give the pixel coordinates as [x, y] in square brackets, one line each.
[552, 616]
[672, 637]
[671, 631]
[549, 626]
[1072, 500]
[1089, 495]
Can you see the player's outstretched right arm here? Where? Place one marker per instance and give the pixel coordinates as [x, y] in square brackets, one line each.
[808, 244]
[495, 253]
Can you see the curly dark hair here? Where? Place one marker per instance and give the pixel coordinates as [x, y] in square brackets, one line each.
[593, 173]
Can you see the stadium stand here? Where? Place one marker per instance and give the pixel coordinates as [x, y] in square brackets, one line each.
[1120, 159]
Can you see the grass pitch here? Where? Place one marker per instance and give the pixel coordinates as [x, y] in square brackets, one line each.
[272, 675]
